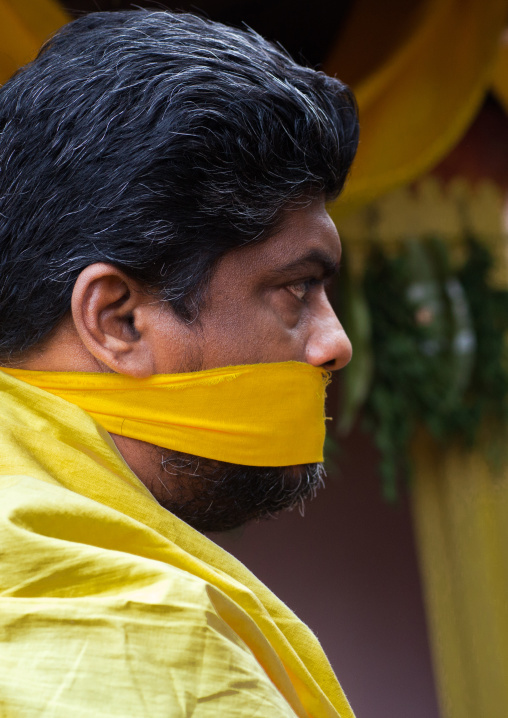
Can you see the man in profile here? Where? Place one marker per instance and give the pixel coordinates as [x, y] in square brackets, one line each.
[165, 337]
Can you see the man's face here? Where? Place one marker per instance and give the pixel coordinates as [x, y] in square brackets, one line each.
[265, 303]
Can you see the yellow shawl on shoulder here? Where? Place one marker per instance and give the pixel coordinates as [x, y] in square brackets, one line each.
[111, 606]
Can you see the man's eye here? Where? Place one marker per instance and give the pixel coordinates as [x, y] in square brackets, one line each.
[300, 289]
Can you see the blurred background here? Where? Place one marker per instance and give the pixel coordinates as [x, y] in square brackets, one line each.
[401, 565]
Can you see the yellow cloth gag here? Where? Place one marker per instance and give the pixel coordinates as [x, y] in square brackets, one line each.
[252, 414]
[110, 606]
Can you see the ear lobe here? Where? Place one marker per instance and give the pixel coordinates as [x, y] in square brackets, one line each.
[106, 308]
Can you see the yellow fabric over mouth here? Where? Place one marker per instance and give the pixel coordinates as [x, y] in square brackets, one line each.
[111, 606]
[251, 414]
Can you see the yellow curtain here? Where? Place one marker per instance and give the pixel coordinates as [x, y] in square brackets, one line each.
[24, 26]
[420, 71]
[461, 524]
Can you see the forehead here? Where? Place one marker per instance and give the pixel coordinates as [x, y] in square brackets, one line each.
[307, 234]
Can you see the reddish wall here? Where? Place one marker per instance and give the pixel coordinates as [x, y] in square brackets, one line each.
[348, 569]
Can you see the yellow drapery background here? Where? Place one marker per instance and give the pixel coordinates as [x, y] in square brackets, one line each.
[460, 508]
[420, 76]
[24, 26]
[420, 71]
[461, 526]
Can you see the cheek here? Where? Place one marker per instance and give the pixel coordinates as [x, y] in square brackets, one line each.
[263, 330]
[178, 349]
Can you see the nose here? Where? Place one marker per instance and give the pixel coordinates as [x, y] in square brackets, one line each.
[328, 344]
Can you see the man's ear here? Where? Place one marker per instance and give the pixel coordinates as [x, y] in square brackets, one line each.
[111, 315]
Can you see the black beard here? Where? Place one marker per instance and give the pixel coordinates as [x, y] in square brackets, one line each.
[214, 496]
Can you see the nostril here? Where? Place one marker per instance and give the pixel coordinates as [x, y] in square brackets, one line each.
[330, 365]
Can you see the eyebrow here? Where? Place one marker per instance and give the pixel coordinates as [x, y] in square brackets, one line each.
[308, 262]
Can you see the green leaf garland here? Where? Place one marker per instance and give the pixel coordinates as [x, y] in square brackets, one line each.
[429, 345]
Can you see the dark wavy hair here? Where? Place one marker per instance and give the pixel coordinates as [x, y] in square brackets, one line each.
[157, 142]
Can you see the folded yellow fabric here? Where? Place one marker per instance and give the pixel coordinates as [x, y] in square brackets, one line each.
[253, 414]
[111, 606]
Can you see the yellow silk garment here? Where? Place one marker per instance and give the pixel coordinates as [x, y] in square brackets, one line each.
[111, 606]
